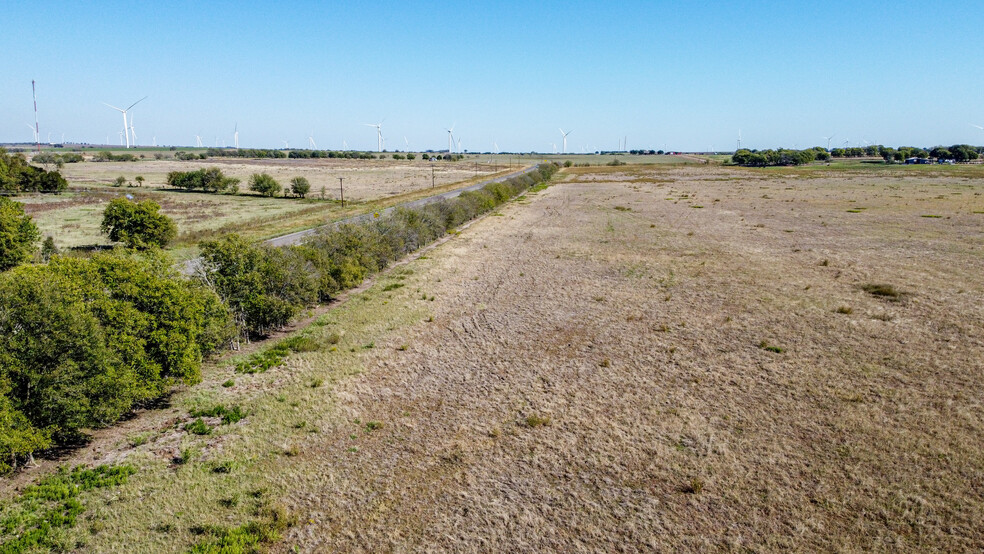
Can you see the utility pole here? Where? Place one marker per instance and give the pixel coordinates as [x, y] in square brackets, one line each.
[341, 191]
[37, 130]
[432, 176]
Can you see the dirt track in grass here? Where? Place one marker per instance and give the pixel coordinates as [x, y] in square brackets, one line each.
[675, 359]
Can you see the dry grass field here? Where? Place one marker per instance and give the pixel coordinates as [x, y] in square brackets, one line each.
[657, 358]
[73, 218]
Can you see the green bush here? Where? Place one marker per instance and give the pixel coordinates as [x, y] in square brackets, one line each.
[137, 224]
[206, 180]
[18, 234]
[82, 340]
[264, 184]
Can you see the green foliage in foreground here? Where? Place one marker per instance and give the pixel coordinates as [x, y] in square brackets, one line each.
[249, 537]
[18, 234]
[264, 287]
[84, 340]
[31, 522]
[138, 224]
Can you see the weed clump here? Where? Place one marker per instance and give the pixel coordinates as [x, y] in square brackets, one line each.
[274, 356]
[882, 290]
[770, 348]
[228, 415]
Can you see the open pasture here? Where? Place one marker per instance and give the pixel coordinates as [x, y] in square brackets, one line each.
[73, 218]
[640, 358]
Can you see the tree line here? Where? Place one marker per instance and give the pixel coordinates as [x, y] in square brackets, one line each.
[780, 157]
[85, 339]
[17, 175]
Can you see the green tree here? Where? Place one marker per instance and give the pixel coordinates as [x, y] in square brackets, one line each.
[18, 234]
[48, 248]
[300, 186]
[140, 180]
[119, 181]
[264, 184]
[18, 438]
[138, 225]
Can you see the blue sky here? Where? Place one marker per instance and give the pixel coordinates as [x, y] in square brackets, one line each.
[682, 76]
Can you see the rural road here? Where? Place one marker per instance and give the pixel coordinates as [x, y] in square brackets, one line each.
[298, 237]
[191, 266]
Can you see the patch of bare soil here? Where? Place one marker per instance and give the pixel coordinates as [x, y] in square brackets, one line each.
[687, 362]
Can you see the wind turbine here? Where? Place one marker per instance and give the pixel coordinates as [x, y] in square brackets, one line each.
[132, 132]
[235, 135]
[379, 134]
[828, 141]
[407, 142]
[198, 141]
[286, 145]
[459, 145]
[565, 138]
[978, 126]
[123, 111]
[739, 139]
[34, 134]
[314, 145]
[450, 139]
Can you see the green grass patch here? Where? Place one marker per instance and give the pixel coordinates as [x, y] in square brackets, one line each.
[392, 286]
[198, 427]
[770, 347]
[275, 355]
[31, 522]
[228, 415]
[931, 216]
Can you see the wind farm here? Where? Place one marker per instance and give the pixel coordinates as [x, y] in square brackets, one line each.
[754, 328]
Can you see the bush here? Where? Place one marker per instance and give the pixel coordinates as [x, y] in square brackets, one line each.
[138, 225]
[300, 186]
[16, 175]
[18, 234]
[82, 340]
[205, 180]
[264, 184]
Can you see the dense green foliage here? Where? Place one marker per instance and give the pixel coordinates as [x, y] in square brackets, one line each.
[16, 175]
[18, 234]
[30, 524]
[300, 186]
[82, 340]
[264, 287]
[762, 158]
[264, 184]
[138, 224]
[205, 180]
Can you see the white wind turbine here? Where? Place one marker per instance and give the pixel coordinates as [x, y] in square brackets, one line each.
[132, 132]
[198, 141]
[407, 142]
[565, 138]
[235, 135]
[314, 145]
[739, 139]
[379, 134]
[459, 146]
[123, 111]
[34, 133]
[828, 140]
[450, 139]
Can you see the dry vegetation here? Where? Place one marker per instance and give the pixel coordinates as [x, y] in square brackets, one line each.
[73, 218]
[661, 358]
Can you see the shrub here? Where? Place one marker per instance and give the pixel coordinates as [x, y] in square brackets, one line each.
[300, 186]
[18, 234]
[264, 184]
[882, 290]
[137, 224]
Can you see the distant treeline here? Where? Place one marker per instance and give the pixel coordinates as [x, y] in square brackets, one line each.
[762, 158]
[957, 152]
[83, 340]
[16, 175]
[107, 156]
[265, 153]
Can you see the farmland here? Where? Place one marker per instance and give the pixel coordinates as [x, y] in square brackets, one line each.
[643, 357]
[73, 218]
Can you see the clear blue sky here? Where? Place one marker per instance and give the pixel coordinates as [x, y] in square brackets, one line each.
[682, 76]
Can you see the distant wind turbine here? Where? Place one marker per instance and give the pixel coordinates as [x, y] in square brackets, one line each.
[379, 134]
[123, 111]
[286, 145]
[565, 138]
[451, 138]
[828, 140]
[407, 142]
[978, 126]
[314, 145]
[198, 141]
[132, 132]
[459, 145]
[235, 135]
[34, 134]
[739, 139]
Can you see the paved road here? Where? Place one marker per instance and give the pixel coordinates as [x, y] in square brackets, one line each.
[191, 266]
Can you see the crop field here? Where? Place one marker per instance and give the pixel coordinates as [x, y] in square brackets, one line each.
[637, 358]
[73, 218]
